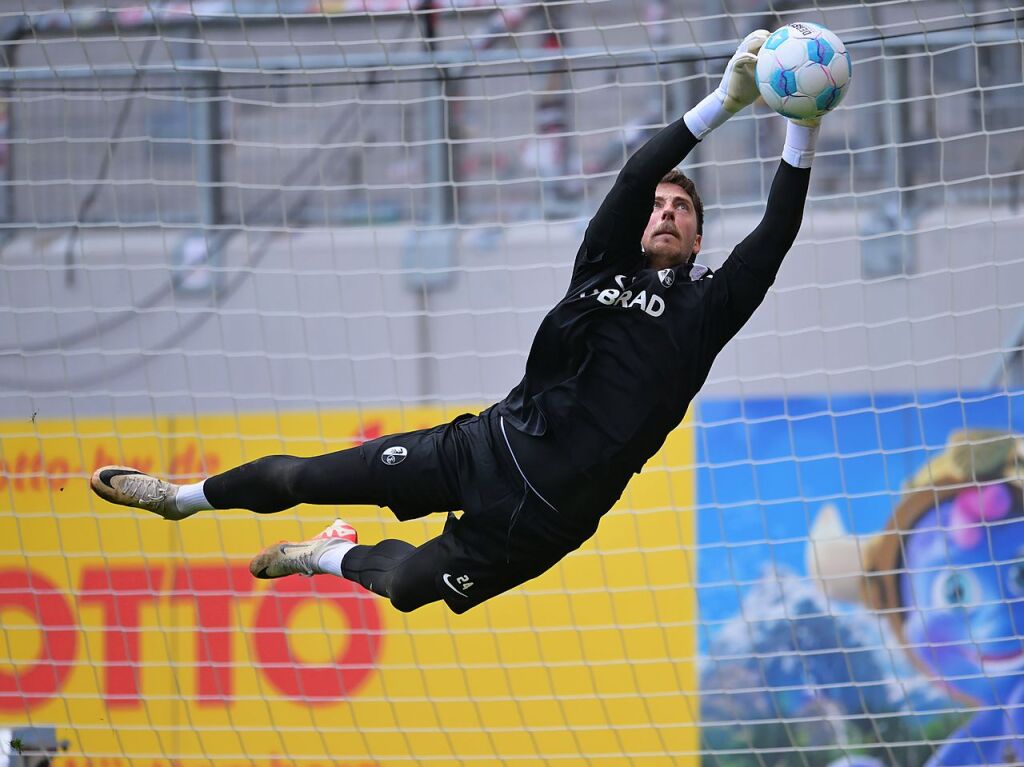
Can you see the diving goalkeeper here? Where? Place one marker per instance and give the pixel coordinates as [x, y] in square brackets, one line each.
[611, 372]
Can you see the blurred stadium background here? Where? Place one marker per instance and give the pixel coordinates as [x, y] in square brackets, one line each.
[236, 228]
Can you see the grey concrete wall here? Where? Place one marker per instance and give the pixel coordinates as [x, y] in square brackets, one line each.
[313, 313]
[326, 319]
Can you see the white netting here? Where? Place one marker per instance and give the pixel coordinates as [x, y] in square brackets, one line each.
[232, 229]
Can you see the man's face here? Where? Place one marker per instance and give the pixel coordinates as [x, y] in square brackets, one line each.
[671, 235]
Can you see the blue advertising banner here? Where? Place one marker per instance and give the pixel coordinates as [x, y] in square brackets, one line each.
[861, 580]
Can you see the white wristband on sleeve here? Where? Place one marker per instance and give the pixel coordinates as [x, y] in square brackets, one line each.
[800, 143]
[707, 115]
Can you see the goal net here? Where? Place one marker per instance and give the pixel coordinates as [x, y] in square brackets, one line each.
[233, 229]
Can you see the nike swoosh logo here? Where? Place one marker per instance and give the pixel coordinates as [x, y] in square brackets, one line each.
[452, 586]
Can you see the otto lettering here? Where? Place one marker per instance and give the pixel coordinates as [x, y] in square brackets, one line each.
[116, 600]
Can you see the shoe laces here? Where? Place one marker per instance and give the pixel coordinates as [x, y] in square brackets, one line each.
[146, 490]
[303, 561]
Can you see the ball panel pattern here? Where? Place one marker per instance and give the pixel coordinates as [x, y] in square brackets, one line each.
[813, 79]
[819, 51]
[798, 107]
[791, 56]
[828, 98]
[840, 68]
[783, 82]
[803, 70]
[776, 38]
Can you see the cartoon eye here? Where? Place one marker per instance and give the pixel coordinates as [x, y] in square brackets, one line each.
[1015, 579]
[954, 588]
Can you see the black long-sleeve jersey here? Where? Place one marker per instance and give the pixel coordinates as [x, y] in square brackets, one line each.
[616, 363]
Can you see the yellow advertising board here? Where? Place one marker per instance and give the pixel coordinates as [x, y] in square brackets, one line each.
[144, 642]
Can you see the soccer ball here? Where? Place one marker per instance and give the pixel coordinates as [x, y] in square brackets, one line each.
[803, 70]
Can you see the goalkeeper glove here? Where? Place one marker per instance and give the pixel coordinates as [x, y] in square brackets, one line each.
[737, 90]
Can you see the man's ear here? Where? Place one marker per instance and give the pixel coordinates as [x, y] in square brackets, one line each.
[694, 251]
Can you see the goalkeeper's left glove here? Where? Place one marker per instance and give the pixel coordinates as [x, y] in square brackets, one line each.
[737, 90]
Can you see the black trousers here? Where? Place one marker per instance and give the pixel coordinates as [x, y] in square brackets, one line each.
[506, 535]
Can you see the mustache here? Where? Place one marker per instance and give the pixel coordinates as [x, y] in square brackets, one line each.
[664, 229]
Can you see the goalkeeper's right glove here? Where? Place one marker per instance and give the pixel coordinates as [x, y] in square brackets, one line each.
[737, 90]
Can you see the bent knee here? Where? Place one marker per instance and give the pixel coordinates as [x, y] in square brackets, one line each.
[404, 606]
[275, 491]
[409, 592]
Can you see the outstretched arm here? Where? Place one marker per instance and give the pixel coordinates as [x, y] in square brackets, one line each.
[741, 284]
[619, 224]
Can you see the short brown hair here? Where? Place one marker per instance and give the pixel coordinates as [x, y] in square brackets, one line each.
[677, 177]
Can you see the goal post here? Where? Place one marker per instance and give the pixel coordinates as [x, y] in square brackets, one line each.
[239, 229]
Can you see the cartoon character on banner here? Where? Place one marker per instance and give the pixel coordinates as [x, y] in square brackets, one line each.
[948, 573]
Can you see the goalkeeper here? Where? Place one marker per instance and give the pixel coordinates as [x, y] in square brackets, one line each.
[611, 372]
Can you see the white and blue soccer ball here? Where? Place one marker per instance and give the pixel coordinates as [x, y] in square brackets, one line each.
[803, 70]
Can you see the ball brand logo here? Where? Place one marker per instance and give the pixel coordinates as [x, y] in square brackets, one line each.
[394, 455]
[803, 29]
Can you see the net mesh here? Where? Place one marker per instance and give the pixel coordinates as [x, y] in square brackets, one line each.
[235, 229]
